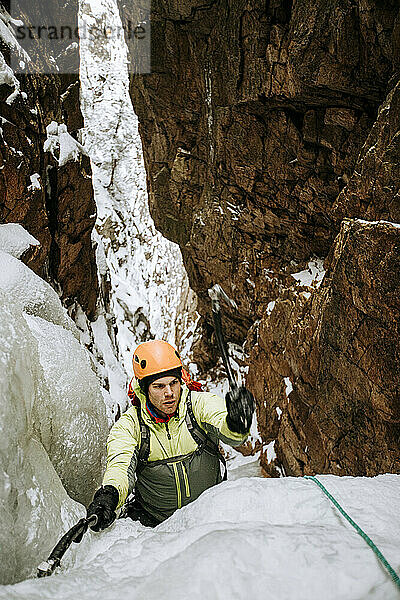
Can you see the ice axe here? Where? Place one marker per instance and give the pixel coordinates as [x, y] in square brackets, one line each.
[217, 294]
[75, 534]
[239, 401]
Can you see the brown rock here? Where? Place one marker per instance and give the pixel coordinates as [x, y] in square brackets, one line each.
[251, 124]
[373, 190]
[341, 351]
[61, 213]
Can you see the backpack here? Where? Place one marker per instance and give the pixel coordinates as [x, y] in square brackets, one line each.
[204, 442]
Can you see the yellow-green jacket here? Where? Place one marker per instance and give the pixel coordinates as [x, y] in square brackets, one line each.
[162, 488]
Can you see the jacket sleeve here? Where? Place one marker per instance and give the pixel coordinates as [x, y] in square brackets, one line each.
[122, 455]
[210, 412]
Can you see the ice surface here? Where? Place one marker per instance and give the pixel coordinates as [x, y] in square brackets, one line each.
[53, 424]
[277, 539]
[31, 494]
[33, 295]
[70, 417]
[15, 240]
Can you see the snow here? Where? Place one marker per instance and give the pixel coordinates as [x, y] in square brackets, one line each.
[7, 37]
[243, 466]
[288, 386]
[313, 275]
[362, 221]
[7, 77]
[15, 240]
[7, 34]
[249, 538]
[271, 454]
[209, 106]
[270, 307]
[35, 182]
[114, 374]
[61, 144]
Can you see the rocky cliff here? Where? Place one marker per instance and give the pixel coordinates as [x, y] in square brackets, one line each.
[50, 196]
[266, 127]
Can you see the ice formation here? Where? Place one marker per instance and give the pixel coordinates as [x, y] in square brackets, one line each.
[33, 295]
[53, 422]
[70, 417]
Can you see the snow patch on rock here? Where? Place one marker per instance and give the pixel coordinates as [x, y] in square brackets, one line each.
[288, 387]
[15, 240]
[35, 182]
[61, 145]
[313, 275]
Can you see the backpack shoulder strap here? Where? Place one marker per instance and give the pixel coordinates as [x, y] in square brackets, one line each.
[201, 438]
[144, 450]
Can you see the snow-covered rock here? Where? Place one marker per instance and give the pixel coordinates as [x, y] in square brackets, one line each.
[147, 277]
[61, 144]
[15, 240]
[9, 40]
[255, 538]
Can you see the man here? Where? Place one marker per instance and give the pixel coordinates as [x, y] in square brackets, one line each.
[166, 448]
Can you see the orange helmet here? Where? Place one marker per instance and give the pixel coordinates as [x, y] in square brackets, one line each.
[154, 357]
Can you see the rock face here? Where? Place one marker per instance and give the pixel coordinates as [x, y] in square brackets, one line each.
[338, 349]
[53, 201]
[264, 127]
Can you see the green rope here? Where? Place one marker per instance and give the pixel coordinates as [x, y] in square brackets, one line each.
[370, 543]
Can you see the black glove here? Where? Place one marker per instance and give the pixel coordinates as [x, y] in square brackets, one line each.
[103, 505]
[240, 405]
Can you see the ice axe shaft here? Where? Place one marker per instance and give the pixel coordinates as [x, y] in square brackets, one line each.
[216, 294]
[75, 534]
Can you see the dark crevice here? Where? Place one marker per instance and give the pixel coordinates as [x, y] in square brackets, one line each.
[51, 199]
[241, 55]
[281, 14]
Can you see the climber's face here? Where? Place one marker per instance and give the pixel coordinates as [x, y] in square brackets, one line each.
[164, 394]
